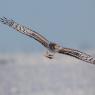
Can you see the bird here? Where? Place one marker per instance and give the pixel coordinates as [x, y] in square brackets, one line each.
[52, 47]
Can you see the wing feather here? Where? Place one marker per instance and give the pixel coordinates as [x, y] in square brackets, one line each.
[29, 32]
[77, 54]
[24, 30]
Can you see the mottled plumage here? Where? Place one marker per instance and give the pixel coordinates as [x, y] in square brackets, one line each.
[52, 47]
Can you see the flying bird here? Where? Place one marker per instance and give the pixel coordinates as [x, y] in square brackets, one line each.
[51, 46]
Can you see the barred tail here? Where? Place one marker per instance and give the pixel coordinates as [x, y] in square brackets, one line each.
[77, 54]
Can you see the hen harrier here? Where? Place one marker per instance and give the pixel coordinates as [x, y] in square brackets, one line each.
[52, 47]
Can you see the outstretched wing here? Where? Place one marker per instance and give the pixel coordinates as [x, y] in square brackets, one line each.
[77, 54]
[24, 30]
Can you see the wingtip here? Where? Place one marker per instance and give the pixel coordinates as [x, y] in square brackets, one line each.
[3, 20]
[93, 62]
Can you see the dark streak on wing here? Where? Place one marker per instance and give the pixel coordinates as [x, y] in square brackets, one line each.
[24, 30]
[77, 54]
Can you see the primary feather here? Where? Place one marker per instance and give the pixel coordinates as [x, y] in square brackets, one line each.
[24, 30]
[77, 54]
[52, 47]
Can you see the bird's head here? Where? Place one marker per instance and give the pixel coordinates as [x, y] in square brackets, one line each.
[54, 47]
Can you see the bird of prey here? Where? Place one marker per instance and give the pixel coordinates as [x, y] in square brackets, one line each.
[51, 46]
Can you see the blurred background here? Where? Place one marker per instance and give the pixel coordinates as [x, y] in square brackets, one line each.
[24, 70]
[70, 23]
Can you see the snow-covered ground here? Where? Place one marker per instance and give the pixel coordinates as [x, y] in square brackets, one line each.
[33, 74]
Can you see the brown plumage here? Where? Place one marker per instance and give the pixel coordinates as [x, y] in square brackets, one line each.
[52, 47]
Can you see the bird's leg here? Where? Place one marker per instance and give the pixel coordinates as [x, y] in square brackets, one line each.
[49, 54]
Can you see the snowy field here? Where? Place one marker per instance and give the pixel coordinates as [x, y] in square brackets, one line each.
[33, 74]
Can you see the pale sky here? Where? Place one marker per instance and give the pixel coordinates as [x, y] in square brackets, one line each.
[68, 22]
